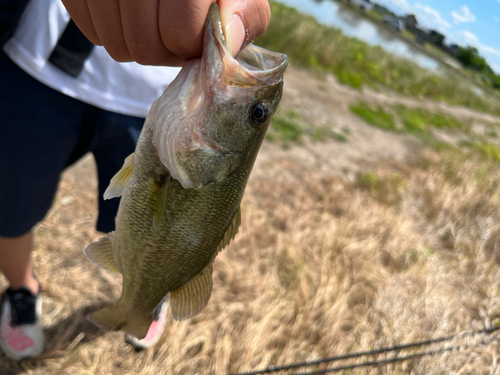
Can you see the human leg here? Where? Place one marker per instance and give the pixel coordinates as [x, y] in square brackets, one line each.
[39, 131]
[21, 334]
[15, 254]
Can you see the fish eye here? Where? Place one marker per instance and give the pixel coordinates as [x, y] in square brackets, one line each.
[259, 113]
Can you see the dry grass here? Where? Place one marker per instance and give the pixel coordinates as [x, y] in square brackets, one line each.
[322, 266]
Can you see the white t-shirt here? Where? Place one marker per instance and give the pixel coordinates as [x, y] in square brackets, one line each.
[126, 88]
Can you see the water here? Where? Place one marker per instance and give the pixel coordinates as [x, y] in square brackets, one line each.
[352, 24]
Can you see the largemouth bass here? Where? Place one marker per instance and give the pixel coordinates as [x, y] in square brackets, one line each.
[181, 190]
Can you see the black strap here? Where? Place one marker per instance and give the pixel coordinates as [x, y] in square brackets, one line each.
[71, 51]
[10, 14]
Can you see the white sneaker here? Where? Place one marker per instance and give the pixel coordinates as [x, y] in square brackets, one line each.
[21, 334]
[155, 329]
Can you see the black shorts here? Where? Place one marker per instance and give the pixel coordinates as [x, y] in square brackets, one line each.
[43, 131]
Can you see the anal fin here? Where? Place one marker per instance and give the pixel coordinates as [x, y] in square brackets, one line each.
[102, 253]
[120, 179]
[193, 296]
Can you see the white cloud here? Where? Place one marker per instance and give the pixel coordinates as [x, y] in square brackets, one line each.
[431, 18]
[495, 18]
[469, 37]
[463, 15]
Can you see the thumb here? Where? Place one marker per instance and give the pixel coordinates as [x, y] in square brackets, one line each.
[242, 21]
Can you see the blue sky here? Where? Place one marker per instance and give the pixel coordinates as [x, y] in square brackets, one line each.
[466, 22]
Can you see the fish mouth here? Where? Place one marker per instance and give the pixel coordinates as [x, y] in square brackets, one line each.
[252, 66]
[267, 66]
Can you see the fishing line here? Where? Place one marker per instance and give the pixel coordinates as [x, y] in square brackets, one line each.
[391, 348]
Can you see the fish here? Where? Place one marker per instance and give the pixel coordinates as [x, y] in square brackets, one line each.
[182, 188]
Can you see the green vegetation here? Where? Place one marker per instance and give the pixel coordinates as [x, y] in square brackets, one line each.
[408, 34]
[313, 45]
[289, 126]
[321, 133]
[385, 189]
[374, 15]
[346, 130]
[349, 78]
[416, 121]
[285, 129]
[419, 121]
[492, 134]
[489, 150]
[471, 59]
[322, 88]
[376, 117]
[294, 115]
[338, 136]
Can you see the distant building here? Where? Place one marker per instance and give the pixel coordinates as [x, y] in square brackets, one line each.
[411, 22]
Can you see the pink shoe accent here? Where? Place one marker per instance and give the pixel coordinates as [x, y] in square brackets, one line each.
[154, 333]
[156, 328]
[15, 337]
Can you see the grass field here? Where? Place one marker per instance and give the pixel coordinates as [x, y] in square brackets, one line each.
[370, 219]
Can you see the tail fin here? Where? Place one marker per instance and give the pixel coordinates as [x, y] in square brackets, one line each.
[113, 318]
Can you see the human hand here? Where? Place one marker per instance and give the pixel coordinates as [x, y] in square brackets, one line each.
[164, 32]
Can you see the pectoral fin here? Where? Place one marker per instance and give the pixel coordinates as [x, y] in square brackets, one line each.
[102, 253]
[161, 199]
[231, 230]
[120, 179]
[193, 296]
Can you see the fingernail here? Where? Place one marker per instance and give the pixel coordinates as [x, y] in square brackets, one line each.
[235, 34]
